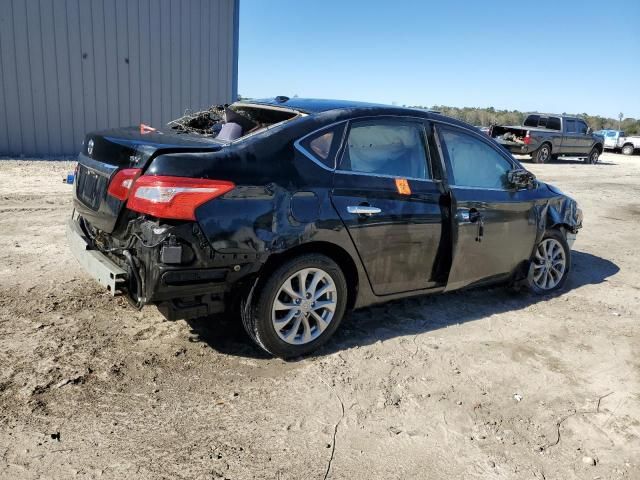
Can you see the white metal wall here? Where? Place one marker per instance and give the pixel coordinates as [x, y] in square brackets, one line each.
[71, 66]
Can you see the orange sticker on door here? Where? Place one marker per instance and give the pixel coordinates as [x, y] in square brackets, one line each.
[403, 186]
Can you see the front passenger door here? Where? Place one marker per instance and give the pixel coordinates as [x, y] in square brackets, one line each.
[571, 142]
[584, 141]
[494, 226]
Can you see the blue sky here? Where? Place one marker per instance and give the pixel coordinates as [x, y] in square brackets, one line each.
[555, 56]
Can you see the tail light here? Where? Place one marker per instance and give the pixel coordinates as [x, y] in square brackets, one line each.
[121, 184]
[174, 197]
[527, 138]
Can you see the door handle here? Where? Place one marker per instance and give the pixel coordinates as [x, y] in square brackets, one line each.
[363, 210]
[469, 216]
[472, 216]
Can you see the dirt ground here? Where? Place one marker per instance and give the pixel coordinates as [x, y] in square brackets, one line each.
[473, 384]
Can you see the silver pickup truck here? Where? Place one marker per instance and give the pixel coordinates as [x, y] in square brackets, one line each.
[546, 137]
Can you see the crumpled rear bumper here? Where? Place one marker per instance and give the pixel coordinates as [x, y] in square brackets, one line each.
[95, 263]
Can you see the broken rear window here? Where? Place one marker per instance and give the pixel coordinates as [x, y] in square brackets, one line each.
[227, 123]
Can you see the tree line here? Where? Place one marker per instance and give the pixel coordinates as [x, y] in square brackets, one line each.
[491, 116]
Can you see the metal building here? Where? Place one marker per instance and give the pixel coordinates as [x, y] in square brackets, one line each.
[71, 66]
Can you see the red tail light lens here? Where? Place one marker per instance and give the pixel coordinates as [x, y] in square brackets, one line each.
[122, 182]
[174, 197]
[527, 138]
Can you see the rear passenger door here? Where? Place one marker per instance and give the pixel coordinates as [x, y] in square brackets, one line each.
[385, 194]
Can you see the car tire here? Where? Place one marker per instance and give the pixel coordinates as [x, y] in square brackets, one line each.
[284, 319]
[593, 157]
[627, 149]
[550, 265]
[542, 154]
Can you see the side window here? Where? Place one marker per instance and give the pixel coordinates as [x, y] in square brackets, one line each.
[582, 127]
[553, 123]
[570, 125]
[474, 163]
[532, 121]
[323, 145]
[386, 147]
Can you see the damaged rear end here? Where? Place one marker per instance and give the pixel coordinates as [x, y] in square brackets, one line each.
[134, 226]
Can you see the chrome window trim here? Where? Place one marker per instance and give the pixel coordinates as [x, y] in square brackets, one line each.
[380, 175]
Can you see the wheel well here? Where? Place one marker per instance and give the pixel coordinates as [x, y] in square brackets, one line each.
[548, 144]
[561, 227]
[629, 144]
[331, 250]
[599, 147]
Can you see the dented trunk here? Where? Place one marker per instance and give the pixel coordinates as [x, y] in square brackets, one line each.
[106, 153]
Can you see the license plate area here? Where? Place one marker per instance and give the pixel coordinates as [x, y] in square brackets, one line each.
[91, 187]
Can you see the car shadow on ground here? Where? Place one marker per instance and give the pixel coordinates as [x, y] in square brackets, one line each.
[408, 317]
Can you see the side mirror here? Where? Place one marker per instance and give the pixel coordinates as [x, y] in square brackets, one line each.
[589, 131]
[520, 178]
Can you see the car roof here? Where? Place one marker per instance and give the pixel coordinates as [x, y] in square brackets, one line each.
[317, 105]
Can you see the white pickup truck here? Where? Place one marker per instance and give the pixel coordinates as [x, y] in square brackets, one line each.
[628, 145]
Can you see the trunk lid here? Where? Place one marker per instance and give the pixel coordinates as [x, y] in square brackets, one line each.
[105, 153]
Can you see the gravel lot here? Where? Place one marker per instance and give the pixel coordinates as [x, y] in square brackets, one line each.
[474, 384]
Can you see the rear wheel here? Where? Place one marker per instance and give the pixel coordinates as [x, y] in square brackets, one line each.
[298, 307]
[627, 149]
[593, 157]
[542, 154]
[550, 265]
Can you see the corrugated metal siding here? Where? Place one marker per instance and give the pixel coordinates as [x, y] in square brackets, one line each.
[71, 66]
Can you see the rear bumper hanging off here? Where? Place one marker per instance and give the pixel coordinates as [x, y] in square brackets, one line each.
[96, 263]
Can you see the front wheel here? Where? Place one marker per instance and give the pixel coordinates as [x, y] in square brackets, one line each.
[542, 155]
[298, 307]
[593, 157]
[550, 265]
[627, 150]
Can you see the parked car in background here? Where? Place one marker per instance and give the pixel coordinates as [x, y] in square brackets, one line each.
[610, 138]
[546, 137]
[292, 212]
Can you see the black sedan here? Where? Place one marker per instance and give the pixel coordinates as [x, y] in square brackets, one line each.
[291, 212]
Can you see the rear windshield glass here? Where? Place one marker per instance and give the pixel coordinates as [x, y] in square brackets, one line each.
[227, 123]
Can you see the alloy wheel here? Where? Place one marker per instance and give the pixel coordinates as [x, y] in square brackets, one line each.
[304, 306]
[550, 263]
[543, 156]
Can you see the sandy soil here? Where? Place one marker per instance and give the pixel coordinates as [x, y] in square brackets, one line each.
[475, 384]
